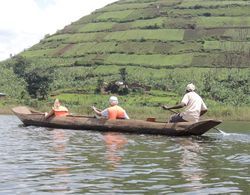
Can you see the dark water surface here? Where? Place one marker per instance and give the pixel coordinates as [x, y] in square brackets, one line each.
[53, 161]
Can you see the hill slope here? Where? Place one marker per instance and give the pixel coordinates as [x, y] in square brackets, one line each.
[162, 33]
[162, 43]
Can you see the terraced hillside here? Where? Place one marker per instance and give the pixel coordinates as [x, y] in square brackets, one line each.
[177, 33]
[159, 42]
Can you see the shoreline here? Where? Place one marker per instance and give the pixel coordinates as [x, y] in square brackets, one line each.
[6, 111]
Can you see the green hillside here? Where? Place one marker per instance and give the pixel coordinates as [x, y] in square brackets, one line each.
[163, 44]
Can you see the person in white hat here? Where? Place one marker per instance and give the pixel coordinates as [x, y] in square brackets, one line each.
[113, 112]
[194, 107]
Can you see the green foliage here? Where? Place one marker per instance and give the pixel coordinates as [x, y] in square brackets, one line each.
[212, 22]
[211, 4]
[123, 73]
[124, 6]
[93, 27]
[242, 46]
[19, 65]
[13, 86]
[153, 60]
[163, 44]
[220, 11]
[38, 83]
[158, 34]
[114, 15]
[99, 86]
[233, 88]
[153, 23]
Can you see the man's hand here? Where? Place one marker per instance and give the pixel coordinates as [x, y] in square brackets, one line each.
[165, 107]
[96, 109]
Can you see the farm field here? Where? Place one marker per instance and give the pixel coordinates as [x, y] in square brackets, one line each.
[161, 44]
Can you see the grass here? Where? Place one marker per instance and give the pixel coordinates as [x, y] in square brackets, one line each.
[155, 22]
[153, 60]
[212, 22]
[234, 11]
[51, 62]
[212, 4]
[128, 47]
[159, 34]
[95, 27]
[121, 7]
[90, 47]
[114, 15]
[238, 34]
[38, 53]
[227, 46]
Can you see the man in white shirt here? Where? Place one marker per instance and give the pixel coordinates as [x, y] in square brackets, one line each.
[194, 107]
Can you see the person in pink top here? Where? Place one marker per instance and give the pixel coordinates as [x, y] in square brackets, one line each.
[194, 107]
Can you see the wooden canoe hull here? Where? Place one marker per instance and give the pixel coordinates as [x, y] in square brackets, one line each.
[130, 126]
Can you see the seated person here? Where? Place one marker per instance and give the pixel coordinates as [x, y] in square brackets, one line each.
[113, 112]
[57, 110]
[194, 107]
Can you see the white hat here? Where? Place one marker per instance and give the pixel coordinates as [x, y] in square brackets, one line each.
[190, 87]
[113, 100]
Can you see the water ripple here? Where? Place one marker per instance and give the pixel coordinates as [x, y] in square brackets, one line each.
[38, 160]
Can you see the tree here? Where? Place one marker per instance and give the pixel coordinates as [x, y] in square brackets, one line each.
[123, 74]
[99, 86]
[19, 65]
[38, 83]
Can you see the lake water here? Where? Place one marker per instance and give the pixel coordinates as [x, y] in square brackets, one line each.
[37, 160]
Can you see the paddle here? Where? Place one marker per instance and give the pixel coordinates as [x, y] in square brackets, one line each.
[219, 130]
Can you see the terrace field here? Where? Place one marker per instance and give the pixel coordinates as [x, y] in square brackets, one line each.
[163, 44]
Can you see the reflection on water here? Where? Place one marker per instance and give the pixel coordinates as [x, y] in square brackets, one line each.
[114, 143]
[36, 160]
[59, 144]
[190, 163]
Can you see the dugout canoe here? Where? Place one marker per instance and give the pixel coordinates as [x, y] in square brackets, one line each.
[76, 122]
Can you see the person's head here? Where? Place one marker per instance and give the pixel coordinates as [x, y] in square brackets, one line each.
[57, 103]
[190, 87]
[113, 100]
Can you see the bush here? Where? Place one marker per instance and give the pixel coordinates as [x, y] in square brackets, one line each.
[207, 14]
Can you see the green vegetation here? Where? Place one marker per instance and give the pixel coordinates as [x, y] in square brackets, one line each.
[153, 60]
[211, 4]
[94, 27]
[114, 15]
[227, 46]
[160, 44]
[11, 85]
[212, 22]
[142, 35]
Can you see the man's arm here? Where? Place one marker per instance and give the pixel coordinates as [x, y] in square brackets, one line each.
[97, 111]
[47, 115]
[203, 112]
[181, 105]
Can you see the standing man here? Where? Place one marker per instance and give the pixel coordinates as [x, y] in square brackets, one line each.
[194, 107]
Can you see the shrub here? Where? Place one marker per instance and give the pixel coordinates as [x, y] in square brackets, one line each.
[207, 14]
